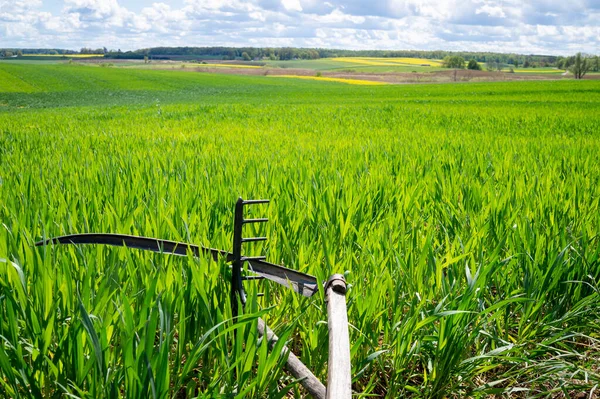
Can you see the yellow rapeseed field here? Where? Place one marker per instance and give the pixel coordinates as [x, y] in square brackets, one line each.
[388, 61]
[340, 80]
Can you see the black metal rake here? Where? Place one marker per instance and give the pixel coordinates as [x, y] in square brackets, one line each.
[302, 283]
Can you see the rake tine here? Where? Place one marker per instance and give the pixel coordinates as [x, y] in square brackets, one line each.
[260, 220]
[254, 239]
[252, 202]
[251, 258]
[250, 278]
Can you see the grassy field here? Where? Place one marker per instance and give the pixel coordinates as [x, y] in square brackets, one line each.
[63, 55]
[540, 70]
[465, 218]
[326, 79]
[322, 64]
[31, 61]
[183, 65]
[54, 57]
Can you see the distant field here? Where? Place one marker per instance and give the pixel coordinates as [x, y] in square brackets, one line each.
[154, 65]
[319, 65]
[337, 80]
[466, 218]
[50, 57]
[65, 55]
[539, 70]
[32, 60]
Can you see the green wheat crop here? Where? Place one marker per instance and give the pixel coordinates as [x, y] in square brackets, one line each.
[465, 217]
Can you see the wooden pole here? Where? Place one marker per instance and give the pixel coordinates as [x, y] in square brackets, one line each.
[339, 380]
[294, 365]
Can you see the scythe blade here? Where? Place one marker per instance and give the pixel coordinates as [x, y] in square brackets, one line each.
[304, 284]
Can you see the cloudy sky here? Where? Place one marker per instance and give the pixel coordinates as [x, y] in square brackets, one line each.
[523, 26]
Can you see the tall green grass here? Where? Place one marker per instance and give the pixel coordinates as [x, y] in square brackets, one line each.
[465, 217]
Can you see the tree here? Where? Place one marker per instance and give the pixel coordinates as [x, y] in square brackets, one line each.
[568, 62]
[516, 63]
[8, 53]
[474, 65]
[19, 53]
[580, 67]
[596, 67]
[454, 61]
[526, 64]
[246, 57]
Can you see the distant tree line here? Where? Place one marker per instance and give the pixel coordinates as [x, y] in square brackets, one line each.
[85, 50]
[227, 53]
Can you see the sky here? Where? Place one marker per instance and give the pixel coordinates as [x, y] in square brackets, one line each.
[554, 27]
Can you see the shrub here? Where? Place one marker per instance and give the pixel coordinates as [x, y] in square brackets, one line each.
[474, 65]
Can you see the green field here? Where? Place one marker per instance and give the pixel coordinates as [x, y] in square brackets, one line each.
[323, 64]
[540, 71]
[466, 219]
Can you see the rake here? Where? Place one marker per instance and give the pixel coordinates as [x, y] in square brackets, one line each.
[339, 368]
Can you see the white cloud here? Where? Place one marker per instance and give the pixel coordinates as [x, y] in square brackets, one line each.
[492, 11]
[105, 12]
[18, 10]
[336, 17]
[540, 26]
[292, 5]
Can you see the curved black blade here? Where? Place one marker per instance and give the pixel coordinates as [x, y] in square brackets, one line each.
[145, 243]
[303, 284]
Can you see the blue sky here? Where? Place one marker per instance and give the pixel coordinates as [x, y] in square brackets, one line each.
[538, 26]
